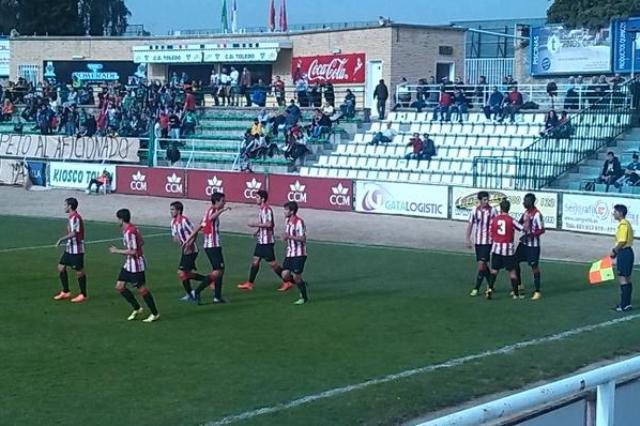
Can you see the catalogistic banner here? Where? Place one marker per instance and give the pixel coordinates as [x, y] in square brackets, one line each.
[402, 199]
[78, 175]
[593, 213]
[464, 199]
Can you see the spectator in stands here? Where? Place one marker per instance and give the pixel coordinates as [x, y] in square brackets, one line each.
[611, 170]
[631, 175]
[258, 93]
[174, 124]
[246, 85]
[163, 121]
[234, 86]
[7, 109]
[256, 127]
[315, 95]
[385, 136]
[552, 91]
[329, 94]
[189, 101]
[381, 94]
[225, 87]
[634, 89]
[302, 88]
[443, 107]
[321, 124]
[481, 91]
[214, 84]
[348, 107]
[551, 122]
[459, 106]
[512, 104]
[565, 128]
[429, 149]
[403, 94]
[189, 123]
[493, 106]
[572, 97]
[294, 113]
[103, 179]
[278, 90]
[329, 110]
[417, 146]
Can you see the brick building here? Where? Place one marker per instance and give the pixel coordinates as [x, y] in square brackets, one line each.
[391, 51]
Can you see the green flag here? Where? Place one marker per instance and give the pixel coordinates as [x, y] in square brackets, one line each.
[223, 19]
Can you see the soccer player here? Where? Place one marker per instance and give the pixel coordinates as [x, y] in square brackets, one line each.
[480, 219]
[265, 246]
[623, 253]
[529, 247]
[181, 228]
[133, 269]
[295, 239]
[503, 249]
[210, 227]
[73, 255]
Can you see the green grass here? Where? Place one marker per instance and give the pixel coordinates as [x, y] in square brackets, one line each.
[374, 311]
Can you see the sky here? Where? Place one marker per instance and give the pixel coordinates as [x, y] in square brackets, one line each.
[161, 16]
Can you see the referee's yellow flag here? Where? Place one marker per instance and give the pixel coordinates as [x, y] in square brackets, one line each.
[601, 271]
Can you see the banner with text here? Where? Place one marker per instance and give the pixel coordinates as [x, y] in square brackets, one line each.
[237, 187]
[625, 32]
[12, 172]
[402, 199]
[78, 175]
[158, 182]
[336, 69]
[70, 148]
[464, 199]
[315, 193]
[593, 213]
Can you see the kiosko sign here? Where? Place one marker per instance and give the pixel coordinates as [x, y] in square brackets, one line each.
[347, 68]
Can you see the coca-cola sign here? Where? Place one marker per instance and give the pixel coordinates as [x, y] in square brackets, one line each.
[336, 69]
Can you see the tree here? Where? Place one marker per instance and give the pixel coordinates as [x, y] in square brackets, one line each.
[591, 14]
[44, 17]
[104, 17]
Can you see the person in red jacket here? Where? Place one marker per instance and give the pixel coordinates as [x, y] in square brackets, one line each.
[502, 231]
[443, 108]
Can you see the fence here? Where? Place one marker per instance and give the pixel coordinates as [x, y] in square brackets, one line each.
[548, 157]
[494, 69]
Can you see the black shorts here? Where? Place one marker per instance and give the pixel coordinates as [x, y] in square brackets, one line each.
[624, 262]
[499, 261]
[74, 261]
[188, 262]
[265, 251]
[136, 278]
[531, 255]
[294, 264]
[215, 257]
[483, 252]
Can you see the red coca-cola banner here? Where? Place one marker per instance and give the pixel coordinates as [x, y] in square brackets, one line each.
[237, 187]
[158, 182]
[315, 193]
[336, 69]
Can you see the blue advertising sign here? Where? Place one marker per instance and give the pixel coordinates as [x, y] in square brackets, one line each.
[37, 172]
[558, 50]
[624, 30]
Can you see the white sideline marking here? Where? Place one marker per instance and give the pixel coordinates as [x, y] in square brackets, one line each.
[455, 362]
[11, 250]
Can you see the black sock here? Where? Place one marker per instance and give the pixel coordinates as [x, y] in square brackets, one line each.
[278, 271]
[204, 283]
[482, 274]
[253, 273]
[199, 277]
[186, 284]
[518, 275]
[536, 280]
[82, 283]
[492, 279]
[514, 286]
[629, 293]
[217, 289]
[302, 286]
[148, 299]
[64, 280]
[129, 297]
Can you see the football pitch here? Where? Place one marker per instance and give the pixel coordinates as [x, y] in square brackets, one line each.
[390, 334]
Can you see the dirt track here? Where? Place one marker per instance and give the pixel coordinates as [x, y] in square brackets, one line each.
[322, 225]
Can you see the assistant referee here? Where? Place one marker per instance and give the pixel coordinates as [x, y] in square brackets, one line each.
[623, 253]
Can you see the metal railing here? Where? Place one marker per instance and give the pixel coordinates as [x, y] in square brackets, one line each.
[582, 96]
[548, 157]
[291, 28]
[494, 69]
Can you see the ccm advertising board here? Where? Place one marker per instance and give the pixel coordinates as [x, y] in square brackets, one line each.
[558, 50]
[593, 213]
[78, 175]
[464, 199]
[402, 199]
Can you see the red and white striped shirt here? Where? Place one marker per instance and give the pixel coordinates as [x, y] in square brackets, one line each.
[503, 233]
[480, 218]
[211, 229]
[265, 215]
[75, 244]
[181, 228]
[294, 227]
[132, 240]
[536, 227]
